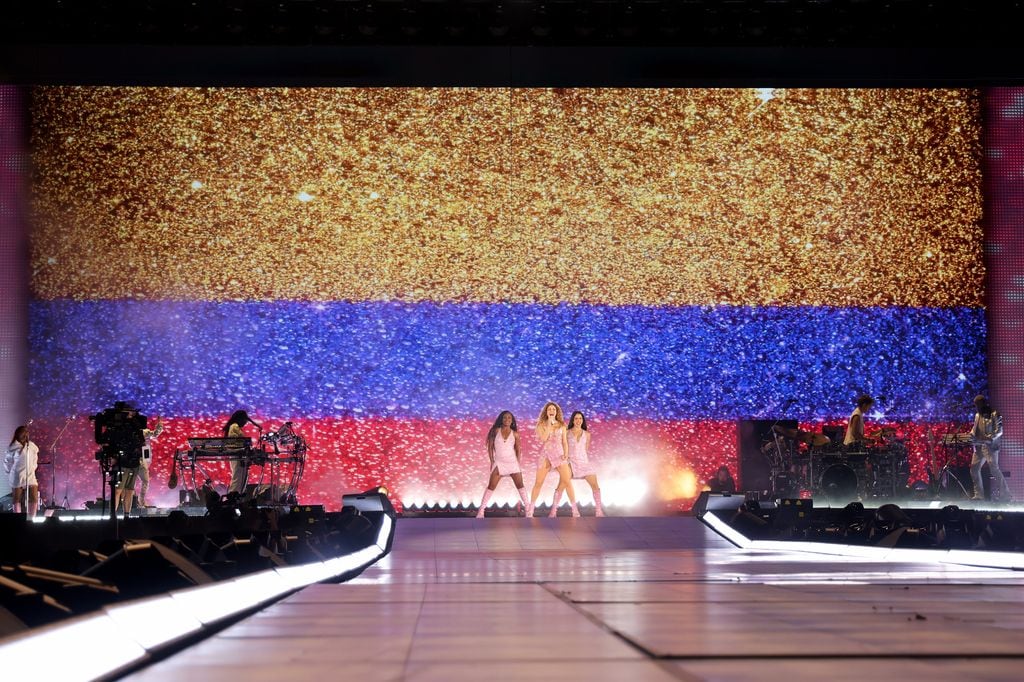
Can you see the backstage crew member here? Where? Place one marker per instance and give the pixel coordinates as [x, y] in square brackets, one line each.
[126, 488]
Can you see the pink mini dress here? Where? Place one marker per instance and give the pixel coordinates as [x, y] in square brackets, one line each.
[505, 454]
[552, 447]
[579, 459]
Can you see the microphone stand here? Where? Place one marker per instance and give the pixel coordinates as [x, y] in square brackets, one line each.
[53, 469]
[950, 447]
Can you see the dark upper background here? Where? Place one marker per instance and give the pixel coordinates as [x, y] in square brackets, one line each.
[652, 43]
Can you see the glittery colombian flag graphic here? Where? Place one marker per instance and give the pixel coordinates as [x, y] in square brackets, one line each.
[389, 268]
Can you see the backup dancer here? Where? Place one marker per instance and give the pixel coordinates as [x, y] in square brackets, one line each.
[506, 458]
[579, 458]
[554, 454]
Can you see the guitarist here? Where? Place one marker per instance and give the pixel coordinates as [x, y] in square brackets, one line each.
[987, 435]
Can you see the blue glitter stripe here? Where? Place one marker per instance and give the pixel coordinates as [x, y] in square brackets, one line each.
[441, 361]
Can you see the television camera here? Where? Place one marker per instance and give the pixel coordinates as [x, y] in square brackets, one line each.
[118, 432]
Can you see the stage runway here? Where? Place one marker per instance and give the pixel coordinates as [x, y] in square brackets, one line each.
[629, 599]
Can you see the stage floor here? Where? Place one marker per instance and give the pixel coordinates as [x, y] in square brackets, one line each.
[620, 599]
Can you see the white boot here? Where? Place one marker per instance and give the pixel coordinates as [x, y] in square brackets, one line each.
[483, 503]
[522, 496]
[554, 504]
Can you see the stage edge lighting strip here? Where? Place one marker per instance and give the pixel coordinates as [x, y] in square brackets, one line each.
[123, 635]
[957, 557]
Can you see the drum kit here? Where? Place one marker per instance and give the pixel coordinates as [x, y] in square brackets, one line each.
[806, 463]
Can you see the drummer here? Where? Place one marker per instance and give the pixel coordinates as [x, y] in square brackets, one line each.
[855, 428]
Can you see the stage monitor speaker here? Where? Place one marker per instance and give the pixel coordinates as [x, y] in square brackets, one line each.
[375, 500]
[711, 502]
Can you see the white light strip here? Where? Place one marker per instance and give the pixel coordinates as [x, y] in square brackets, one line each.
[726, 531]
[858, 551]
[958, 557]
[966, 557]
[350, 562]
[306, 574]
[153, 622]
[385, 533]
[208, 603]
[104, 643]
[88, 648]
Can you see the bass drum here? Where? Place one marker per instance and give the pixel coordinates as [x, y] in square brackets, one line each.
[838, 482]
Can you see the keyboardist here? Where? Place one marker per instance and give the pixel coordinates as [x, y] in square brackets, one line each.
[239, 467]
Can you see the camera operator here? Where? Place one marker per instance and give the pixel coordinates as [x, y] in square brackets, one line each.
[142, 472]
[120, 431]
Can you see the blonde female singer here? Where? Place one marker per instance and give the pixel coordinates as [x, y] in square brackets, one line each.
[554, 454]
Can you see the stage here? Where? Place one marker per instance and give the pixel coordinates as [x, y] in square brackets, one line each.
[620, 599]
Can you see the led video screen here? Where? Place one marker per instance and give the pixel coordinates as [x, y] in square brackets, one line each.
[389, 268]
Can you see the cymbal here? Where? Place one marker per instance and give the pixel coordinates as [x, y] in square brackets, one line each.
[786, 433]
[808, 437]
[816, 439]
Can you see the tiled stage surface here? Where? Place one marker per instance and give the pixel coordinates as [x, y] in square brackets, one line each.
[625, 599]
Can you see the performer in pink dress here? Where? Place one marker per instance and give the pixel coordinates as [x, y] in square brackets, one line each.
[554, 454]
[579, 457]
[506, 457]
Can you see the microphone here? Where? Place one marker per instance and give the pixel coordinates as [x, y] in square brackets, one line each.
[258, 426]
[29, 422]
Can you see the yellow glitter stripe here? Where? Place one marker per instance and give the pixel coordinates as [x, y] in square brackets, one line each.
[638, 196]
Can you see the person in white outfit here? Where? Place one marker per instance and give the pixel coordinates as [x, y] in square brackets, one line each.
[20, 463]
[855, 428]
[505, 456]
[147, 458]
[126, 490]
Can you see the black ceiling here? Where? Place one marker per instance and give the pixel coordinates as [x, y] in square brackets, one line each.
[788, 23]
[511, 41]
